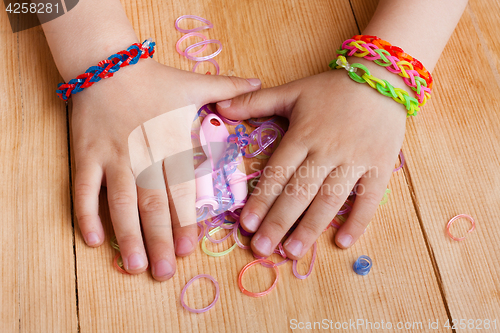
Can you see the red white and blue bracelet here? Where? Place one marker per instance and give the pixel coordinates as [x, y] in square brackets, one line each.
[106, 68]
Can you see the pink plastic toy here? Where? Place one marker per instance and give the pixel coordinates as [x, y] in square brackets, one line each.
[213, 138]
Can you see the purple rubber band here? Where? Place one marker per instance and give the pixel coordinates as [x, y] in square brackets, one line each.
[294, 267]
[217, 292]
[203, 42]
[194, 17]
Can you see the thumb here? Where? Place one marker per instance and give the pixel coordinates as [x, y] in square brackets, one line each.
[216, 88]
[262, 103]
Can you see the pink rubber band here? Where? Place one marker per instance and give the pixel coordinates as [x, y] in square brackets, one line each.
[212, 61]
[194, 17]
[204, 42]
[294, 267]
[450, 222]
[191, 34]
[217, 292]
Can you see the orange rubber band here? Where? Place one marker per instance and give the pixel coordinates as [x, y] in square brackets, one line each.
[249, 293]
[118, 268]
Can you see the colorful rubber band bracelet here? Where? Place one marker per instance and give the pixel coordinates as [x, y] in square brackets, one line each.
[106, 68]
[250, 264]
[392, 63]
[382, 86]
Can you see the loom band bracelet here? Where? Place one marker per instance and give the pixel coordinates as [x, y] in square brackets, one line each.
[382, 86]
[216, 254]
[208, 25]
[204, 42]
[186, 36]
[294, 266]
[211, 305]
[250, 264]
[212, 61]
[450, 223]
[400, 67]
[399, 53]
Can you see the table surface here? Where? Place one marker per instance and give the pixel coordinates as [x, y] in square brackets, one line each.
[52, 282]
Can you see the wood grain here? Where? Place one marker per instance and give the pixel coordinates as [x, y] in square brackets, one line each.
[38, 274]
[278, 43]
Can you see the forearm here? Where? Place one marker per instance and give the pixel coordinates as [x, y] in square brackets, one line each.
[421, 28]
[89, 33]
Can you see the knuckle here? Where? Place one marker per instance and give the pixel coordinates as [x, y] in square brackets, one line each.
[129, 241]
[84, 220]
[277, 225]
[154, 203]
[159, 245]
[181, 191]
[234, 81]
[121, 198]
[358, 224]
[330, 199]
[371, 199]
[310, 230]
[275, 175]
[299, 192]
[82, 190]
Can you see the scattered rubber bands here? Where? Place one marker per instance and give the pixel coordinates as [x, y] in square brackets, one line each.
[362, 265]
[250, 264]
[217, 293]
[450, 223]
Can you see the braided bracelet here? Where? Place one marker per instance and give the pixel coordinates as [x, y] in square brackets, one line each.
[382, 86]
[106, 68]
[394, 59]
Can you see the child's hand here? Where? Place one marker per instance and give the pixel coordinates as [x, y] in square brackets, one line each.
[103, 117]
[340, 132]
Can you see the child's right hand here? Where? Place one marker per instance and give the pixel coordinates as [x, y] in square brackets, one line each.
[103, 117]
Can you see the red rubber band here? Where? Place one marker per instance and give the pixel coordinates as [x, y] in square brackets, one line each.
[250, 264]
[118, 268]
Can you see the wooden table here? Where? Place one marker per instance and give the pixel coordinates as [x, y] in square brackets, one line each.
[52, 282]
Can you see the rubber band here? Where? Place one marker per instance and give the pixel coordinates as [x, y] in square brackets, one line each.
[114, 243]
[208, 25]
[211, 305]
[186, 36]
[106, 68]
[450, 223]
[294, 267]
[382, 86]
[250, 264]
[362, 265]
[402, 158]
[215, 254]
[204, 42]
[385, 199]
[212, 61]
[116, 263]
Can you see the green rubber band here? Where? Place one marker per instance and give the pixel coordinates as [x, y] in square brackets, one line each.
[114, 243]
[217, 254]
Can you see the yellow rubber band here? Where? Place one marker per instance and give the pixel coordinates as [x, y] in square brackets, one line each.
[217, 254]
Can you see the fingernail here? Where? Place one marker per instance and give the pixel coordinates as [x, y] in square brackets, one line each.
[254, 82]
[224, 104]
[294, 247]
[135, 261]
[251, 221]
[162, 268]
[183, 246]
[263, 244]
[345, 240]
[92, 239]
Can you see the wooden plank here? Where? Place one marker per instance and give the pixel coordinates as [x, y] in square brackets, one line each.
[276, 42]
[11, 123]
[45, 261]
[453, 154]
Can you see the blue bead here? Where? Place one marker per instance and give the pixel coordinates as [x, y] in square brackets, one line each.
[362, 265]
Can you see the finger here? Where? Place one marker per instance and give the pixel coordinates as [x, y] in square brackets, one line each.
[182, 198]
[214, 88]
[87, 186]
[122, 199]
[370, 191]
[325, 206]
[155, 219]
[297, 195]
[280, 168]
[266, 102]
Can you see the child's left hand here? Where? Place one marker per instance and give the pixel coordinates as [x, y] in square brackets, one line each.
[340, 132]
